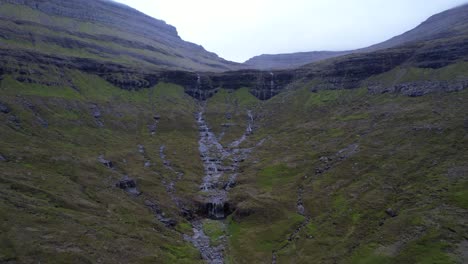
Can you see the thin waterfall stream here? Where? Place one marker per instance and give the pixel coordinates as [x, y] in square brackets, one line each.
[220, 172]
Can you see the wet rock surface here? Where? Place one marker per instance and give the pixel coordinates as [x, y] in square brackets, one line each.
[170, 183]
[218, 180]
[212, 255]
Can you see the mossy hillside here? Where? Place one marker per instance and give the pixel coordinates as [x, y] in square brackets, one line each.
[59, 203]
[400, 75]
[232, 103]
[410, 158]
[347, 203]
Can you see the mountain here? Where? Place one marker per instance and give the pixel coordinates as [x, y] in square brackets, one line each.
[98, 31]
[448, 23]
[290, 60]
[106, 157]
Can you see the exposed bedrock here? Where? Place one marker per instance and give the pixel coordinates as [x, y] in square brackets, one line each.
[346, 72]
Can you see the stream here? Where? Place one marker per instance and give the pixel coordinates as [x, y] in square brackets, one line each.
[221, 166]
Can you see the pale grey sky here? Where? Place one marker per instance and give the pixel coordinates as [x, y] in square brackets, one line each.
[239, 29]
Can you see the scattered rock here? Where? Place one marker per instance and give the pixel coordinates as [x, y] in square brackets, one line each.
[157, 117]
[105, 162]
[15, 120]
[300, 209]
[152, 128]
[96, 112]
[348, 151]
[2, 158]
[42, 122]
[390, 212]
[97, 115]
[4, 108]
[147, 164]
[168, 222]
[129, 185]
[141, 149]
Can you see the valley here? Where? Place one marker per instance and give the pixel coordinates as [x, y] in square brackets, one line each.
[121, 146]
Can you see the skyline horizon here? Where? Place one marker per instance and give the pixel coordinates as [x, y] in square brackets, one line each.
[259, 36]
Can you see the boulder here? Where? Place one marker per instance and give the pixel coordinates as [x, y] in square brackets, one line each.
[390, 212]
[4, 108]
[105, 162]
[129, 185]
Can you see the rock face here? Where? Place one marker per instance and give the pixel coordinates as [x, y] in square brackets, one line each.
[262, 85]
[88, 25]
[438, 42]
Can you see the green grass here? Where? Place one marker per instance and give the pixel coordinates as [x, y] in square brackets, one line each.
[412, 74]
[58, 202]
[275, 175]
[214, 230]
[10, 86]
[366, 255]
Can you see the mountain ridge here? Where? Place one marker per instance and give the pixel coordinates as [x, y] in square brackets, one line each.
[437, 26]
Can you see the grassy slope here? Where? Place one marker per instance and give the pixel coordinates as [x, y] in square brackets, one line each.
[412, 158]
[60, 205]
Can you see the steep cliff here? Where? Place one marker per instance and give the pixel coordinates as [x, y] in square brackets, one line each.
[102, 31]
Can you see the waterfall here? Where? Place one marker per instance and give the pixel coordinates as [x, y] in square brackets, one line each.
[272, 84]
[249, 127]
[216, 210]
[198, 87]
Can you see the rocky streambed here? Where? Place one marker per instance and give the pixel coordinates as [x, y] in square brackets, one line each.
[221, 166]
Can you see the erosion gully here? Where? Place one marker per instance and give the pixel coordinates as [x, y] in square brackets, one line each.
[221, 164]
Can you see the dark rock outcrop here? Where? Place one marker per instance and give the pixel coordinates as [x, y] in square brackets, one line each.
[129, 185]
[390, 212]
[105, 162]
[4, 108]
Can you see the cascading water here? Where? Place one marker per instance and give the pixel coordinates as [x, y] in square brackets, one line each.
[214, 187]
[272, 83]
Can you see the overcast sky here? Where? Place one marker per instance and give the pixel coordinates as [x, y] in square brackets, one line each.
[239, 29]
